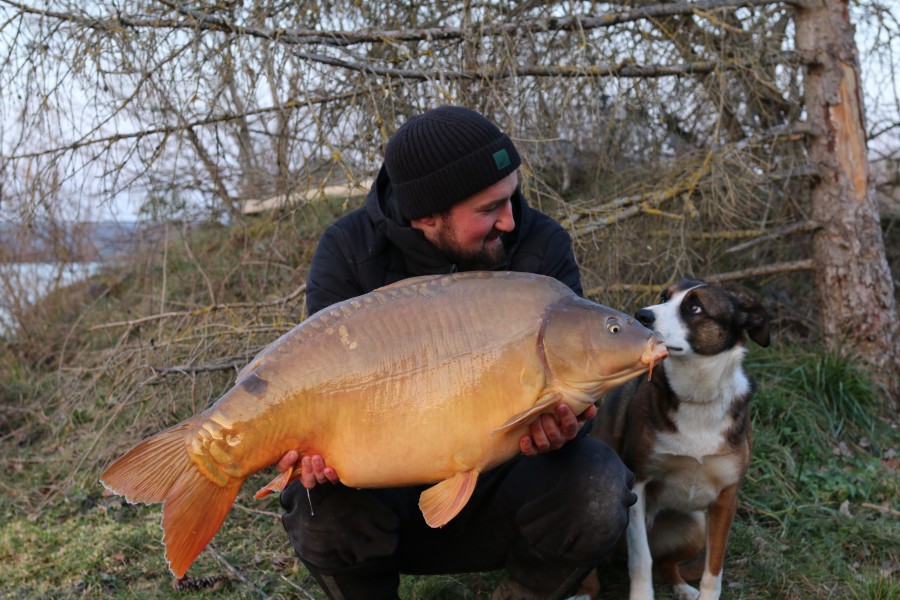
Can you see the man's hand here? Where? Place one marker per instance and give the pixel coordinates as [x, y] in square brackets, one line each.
[551, 432]
[312, 469]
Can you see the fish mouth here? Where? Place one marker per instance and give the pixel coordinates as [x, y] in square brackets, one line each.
[655, 351]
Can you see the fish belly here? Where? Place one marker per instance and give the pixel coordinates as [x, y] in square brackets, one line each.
[425, 426]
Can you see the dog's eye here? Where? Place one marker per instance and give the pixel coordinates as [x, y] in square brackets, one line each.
[613, 325]
[696, 309]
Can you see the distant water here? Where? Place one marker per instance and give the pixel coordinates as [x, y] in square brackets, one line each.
[28, 282]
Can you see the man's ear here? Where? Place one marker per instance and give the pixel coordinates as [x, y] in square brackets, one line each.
[426, 224]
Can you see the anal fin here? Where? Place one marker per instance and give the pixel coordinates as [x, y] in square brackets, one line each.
[276, 485]
[443, 501]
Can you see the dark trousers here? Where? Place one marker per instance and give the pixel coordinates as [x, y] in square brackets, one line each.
[538, 517]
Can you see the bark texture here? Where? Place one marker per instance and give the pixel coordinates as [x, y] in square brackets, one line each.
[853, 282]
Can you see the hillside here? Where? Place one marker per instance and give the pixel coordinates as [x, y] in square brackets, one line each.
[102, 364]
[86, 241]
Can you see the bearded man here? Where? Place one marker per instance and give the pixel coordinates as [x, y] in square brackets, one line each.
[447, 199]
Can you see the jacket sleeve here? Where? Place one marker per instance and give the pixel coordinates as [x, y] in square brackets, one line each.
[333, 273]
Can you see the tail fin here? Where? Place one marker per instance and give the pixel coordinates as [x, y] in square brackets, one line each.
[159, 469]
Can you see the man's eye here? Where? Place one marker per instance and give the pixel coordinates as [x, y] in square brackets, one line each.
[499, 205]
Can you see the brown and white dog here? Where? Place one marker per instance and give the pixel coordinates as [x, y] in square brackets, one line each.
[686, 435]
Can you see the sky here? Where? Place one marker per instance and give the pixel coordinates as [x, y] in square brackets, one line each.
[881, 94]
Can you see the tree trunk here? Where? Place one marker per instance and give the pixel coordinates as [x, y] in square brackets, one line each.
[857, 310]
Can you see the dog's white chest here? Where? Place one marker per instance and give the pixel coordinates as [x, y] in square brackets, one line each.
[688, 484]
[701, 429]
[690, 467]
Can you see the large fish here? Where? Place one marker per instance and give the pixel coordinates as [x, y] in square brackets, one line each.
[433, 379]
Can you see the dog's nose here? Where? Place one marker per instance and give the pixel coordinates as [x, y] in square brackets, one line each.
[646, 317]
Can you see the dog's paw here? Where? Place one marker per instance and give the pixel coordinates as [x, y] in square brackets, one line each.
[641, 591]
[683, 591]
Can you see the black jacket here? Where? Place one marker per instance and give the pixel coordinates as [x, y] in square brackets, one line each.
[373, 246]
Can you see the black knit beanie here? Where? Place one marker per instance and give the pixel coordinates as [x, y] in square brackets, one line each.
[443, 156]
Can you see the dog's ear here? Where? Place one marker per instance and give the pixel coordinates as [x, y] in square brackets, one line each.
[752, 317]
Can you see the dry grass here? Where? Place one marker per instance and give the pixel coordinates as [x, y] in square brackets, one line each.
[138, 348]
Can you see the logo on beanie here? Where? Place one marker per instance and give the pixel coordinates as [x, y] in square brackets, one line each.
[501, 159]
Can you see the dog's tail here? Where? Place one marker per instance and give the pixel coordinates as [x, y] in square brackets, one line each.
[692, 570]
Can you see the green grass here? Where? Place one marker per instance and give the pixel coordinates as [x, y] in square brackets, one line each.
[818, 513]
[815, 518]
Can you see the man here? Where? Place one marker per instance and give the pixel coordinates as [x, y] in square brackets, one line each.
[447, 199]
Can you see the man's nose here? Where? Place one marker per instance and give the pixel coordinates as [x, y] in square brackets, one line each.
[506, 222]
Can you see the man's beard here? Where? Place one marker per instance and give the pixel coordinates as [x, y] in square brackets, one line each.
[484, 258]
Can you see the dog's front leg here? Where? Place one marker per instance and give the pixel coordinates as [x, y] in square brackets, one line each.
[720, 516]
[640, 563]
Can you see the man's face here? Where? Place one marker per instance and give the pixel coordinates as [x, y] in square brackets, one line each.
[469, 233]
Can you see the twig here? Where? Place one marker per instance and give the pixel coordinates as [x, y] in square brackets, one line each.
[882, 509]
[203, 310]
[579, 23]
[777, 268]
[652, 288]
[298, 588]
[213, 120]
[627, 70]
[640, 288]
[233, 570]
[640, 204]
[759, 235]
[255, 511]
[798, 227]
[208, 368]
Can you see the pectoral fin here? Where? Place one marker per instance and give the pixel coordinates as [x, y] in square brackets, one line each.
[524, 418]
[443, 501]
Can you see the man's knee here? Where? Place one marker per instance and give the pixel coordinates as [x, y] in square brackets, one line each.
[586, 512]
[334, 526]
[601, 485]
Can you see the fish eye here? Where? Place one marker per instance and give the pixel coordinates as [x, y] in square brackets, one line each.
[613, 325]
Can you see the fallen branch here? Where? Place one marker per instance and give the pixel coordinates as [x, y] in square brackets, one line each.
[192, 369]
